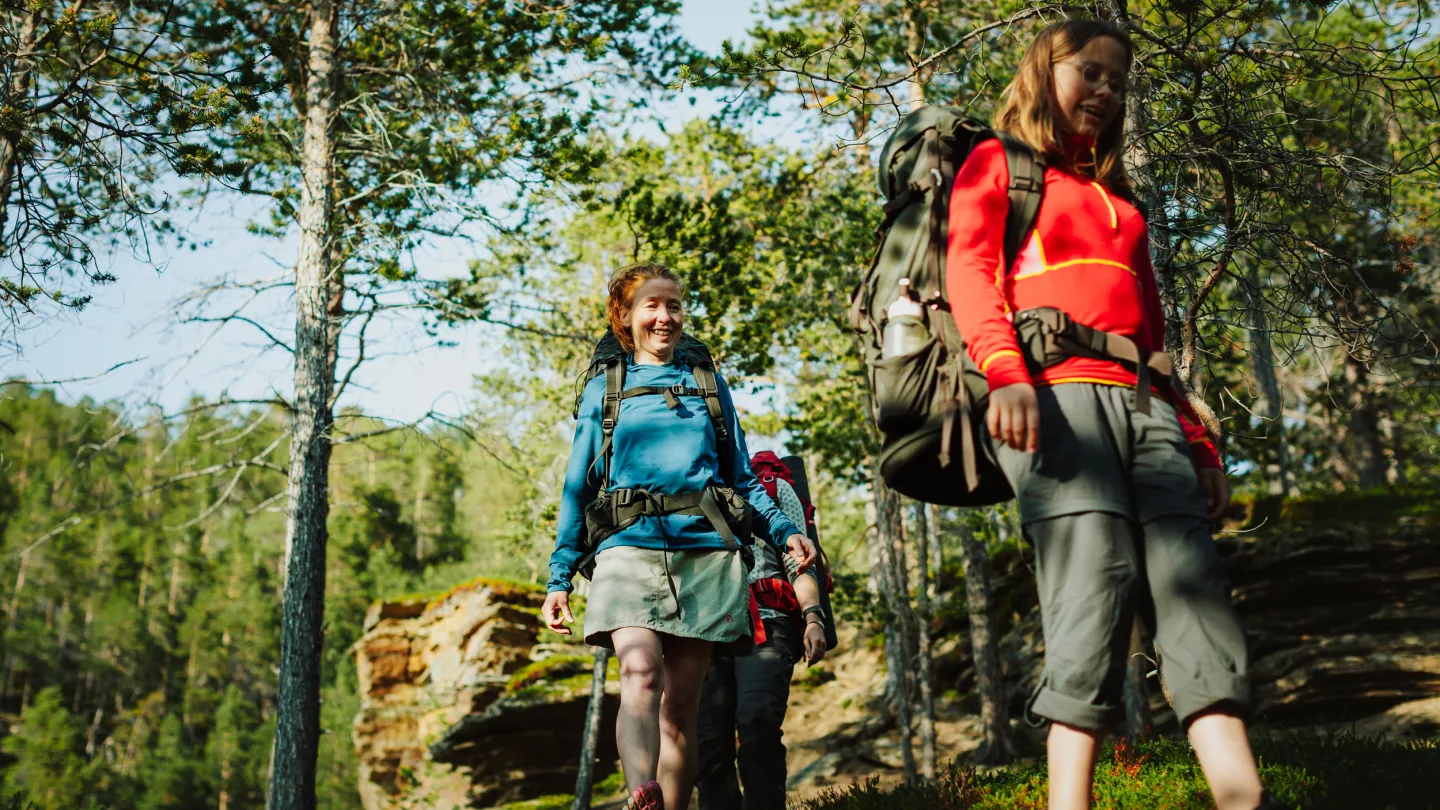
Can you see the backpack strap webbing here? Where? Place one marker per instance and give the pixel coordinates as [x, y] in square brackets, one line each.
[1027, 187]
[724, 446]
[940, 172]
[610, 414]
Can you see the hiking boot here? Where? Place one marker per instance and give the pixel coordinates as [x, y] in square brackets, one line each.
[646, 797]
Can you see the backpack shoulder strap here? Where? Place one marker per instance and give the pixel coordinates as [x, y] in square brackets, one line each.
[1027, 188]
[610, 414]
[725, 443]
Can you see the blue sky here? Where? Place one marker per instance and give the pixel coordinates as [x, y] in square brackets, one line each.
[130, 323]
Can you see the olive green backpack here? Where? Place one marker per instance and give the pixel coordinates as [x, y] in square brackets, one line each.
[929, 403]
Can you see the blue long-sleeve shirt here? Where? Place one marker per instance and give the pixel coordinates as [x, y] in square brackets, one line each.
[666, 452]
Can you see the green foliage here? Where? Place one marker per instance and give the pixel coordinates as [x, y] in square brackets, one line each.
[102, 101]
[50, 769]
[148, 607]
[1313, 771]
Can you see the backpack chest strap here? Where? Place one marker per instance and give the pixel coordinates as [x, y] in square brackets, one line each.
[672, 393]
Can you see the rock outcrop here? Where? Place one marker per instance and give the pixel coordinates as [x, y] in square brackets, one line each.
[461, 707]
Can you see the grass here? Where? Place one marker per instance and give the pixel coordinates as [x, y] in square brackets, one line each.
[549, 669]
[612, 785]
[1308, 771]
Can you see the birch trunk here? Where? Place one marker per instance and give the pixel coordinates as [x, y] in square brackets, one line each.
[297, 728]
[585, 778]
[996, 748]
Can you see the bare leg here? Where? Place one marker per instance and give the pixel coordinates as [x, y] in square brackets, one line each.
[1070, 760]
[1223, 748]
[642, 681]
[686, 660]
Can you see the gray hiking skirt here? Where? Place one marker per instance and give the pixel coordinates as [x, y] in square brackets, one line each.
[701, 594]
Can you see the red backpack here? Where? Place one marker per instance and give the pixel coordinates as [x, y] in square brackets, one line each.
[770, 468]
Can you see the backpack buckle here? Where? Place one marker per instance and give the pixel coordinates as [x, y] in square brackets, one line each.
[607, 425]
[1024, 183]
[678, 389]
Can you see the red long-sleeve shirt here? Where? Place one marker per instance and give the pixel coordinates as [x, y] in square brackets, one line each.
[1088, 255]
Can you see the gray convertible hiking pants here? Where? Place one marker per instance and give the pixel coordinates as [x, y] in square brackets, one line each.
[1113, 507]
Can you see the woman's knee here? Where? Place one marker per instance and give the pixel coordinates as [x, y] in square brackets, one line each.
[641, 672]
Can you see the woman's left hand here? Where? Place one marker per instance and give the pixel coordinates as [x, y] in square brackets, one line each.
[1217, 492]
[802, 550]
[814, 643]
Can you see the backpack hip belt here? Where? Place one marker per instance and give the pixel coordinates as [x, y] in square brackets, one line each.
[617, 509]
[1049, 336]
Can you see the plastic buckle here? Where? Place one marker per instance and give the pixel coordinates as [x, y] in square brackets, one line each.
[1024, 183]
[607, 425]
[678, 389]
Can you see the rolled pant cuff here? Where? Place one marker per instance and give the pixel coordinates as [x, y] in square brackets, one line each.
[1228, 692]
[1059, 708]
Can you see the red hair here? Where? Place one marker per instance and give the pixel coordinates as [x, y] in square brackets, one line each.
[623, 285]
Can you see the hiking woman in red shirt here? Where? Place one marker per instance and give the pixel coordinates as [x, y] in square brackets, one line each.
[1117, 500]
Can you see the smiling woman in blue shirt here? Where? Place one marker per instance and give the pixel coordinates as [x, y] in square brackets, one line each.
[668, 585]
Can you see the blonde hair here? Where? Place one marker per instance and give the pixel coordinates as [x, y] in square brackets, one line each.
[623, 285]
[1030, 109]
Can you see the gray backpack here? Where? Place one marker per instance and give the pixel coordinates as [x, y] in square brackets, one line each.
[929, 401]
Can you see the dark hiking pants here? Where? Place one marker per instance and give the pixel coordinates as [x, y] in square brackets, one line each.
[746, 696]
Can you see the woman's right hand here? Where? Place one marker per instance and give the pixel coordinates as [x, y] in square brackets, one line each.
[1014, 416]
[556, 612]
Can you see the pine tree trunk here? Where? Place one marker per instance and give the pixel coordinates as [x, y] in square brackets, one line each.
[1368, 450]
[1279, 477]
[989, 679]
[925, 672]
[16, 99]
[585, 778]
[297, 727]
[882, 583]
[899, 592]
[1138, 720]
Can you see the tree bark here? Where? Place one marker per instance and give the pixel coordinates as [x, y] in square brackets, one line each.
[585, 778]
[297, 727]
[989, 679]
[905, 632]
[883, 574]
[1138, 720]
[1368, 450]
[16, 94]
[1279, 477]
[925, 672]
